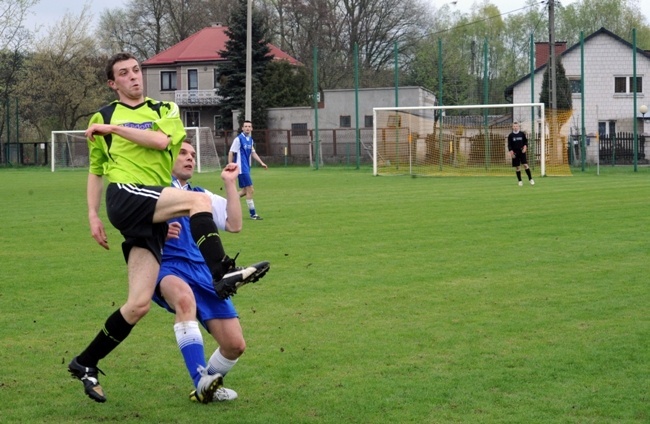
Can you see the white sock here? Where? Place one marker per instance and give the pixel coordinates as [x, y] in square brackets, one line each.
[220, 364]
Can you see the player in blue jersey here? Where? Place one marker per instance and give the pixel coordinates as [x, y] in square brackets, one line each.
[185, 285]
[241, 152]
[133, 142]
[517, 148]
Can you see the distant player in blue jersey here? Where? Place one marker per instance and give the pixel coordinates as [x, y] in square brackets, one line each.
[185, 284]
[241, 152]
[517, 147]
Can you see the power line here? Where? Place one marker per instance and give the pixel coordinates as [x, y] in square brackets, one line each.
[490, 17]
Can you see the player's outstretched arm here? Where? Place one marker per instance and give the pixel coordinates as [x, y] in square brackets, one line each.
[233, 205]
[152, 139]
[93, 196]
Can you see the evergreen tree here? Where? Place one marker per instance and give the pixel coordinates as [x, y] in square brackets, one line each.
[286, 85]
[233, 73]
[562, 85]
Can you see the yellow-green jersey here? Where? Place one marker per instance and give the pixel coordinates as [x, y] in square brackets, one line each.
[123, 161]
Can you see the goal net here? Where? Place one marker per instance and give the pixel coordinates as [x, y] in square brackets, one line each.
[467, 140]
[69, 149]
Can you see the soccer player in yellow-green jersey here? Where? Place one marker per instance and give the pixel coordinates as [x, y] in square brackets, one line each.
[133, 142]
[123, 161]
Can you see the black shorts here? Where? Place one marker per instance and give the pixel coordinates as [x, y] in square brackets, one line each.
[519, 159]
[130, 208]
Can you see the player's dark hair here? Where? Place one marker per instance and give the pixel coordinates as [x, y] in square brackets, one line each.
[119, 57]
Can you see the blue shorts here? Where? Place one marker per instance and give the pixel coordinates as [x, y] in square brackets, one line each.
[208, 304]
[245, 180]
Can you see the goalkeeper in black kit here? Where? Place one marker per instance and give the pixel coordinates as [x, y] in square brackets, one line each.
[517, 147]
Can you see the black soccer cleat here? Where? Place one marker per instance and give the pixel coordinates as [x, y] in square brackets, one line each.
[88, 376]
[238, 276]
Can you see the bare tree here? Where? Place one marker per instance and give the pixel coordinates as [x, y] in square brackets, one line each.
[142, 30]
[147, 27]
[64, 82]
[334, 26]
[14, 42]
[13, 14]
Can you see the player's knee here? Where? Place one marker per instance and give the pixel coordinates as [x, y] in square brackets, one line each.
[235, 349]
[185, 306]
[201, 203]
[137, 310]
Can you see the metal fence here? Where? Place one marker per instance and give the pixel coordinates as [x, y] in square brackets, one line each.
[337, 146]
[618, 149]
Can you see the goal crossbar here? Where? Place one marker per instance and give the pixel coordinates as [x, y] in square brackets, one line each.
[69, 149]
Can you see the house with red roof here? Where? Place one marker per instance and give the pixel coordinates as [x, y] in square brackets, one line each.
[187, 74]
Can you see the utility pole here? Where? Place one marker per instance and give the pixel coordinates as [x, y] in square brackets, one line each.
[248, 95]
[551, 41]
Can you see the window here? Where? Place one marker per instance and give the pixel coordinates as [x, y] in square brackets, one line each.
[218, 126]
[167, 80]
[299, 129]
[192, 79]
[576, 85]
[217, 81]
[345, 121]
[367, 121]
[218, 122]
[606, 128]
[192, 119]
[625, 85]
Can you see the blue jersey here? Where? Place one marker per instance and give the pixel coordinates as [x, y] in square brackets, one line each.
[243, 148]
[184, 247]
[182, 258]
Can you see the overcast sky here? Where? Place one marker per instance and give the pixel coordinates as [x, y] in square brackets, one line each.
[47, 12]
[506, 6]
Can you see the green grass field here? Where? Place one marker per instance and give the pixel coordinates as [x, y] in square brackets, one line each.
[389, 300]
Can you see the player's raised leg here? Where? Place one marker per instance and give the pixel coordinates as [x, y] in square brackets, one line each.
[227, 277]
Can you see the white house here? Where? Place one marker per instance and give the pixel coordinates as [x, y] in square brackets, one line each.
[337, 108]
[608, 85]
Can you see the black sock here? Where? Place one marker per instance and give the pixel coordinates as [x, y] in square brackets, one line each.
[206, 236]
[530, 177]
[519, 175]
[115, 330]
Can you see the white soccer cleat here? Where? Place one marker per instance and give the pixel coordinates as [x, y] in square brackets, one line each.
[222, 395]
[521, 183]
[532, 182]
[208, 385]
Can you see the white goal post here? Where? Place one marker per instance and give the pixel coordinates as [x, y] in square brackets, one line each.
[69, 149]
[456, 140]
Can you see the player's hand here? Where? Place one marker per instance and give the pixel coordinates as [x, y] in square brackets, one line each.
[97, 129]
[98, 232]
[231, 167]
[523, 150]
[174, 230]
[230, 172]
